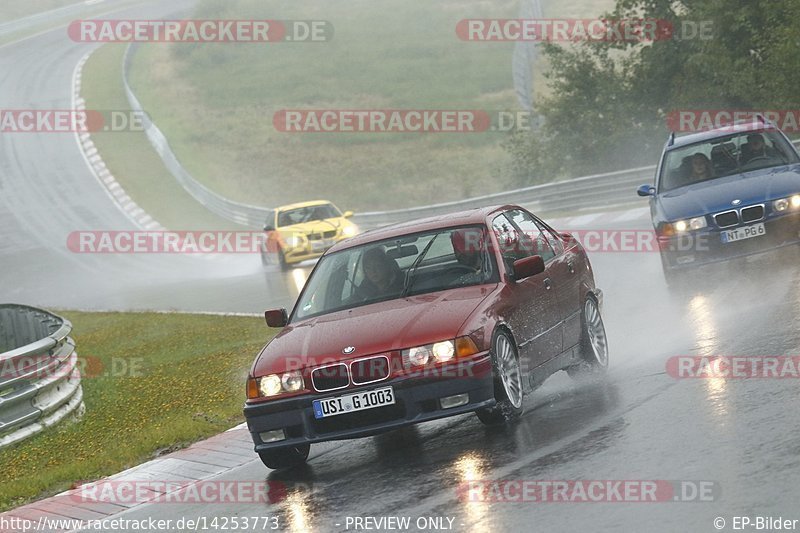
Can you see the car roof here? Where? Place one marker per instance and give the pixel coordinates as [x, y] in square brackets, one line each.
[723, 131]
[302, 204]
[449, 220]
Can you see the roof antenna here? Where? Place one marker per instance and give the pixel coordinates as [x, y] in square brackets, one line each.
[671, 140]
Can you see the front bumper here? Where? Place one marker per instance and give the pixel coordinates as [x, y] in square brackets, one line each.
[309, 250]
[706, 247]
[416, 400]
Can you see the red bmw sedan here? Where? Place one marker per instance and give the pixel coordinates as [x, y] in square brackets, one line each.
[465, 312]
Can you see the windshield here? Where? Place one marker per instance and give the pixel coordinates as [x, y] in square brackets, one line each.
[398, 267]
[307, 214]
[723, 156]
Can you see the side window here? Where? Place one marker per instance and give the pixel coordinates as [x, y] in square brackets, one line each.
[552, 236]
[531, 236]
[507, 238]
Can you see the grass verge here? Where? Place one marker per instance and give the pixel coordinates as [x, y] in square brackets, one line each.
[131, 158]
[215, 101]
[155, 383]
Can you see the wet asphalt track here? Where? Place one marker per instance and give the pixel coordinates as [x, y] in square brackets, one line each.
[639, 424]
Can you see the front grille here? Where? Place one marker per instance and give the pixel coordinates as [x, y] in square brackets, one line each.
[330, 377]
[323, 235]
[752, 213]
[726, 219]
[369, 370]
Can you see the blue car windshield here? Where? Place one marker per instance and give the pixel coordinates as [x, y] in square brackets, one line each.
[723, 156]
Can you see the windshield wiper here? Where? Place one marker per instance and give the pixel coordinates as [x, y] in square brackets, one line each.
[413, 268]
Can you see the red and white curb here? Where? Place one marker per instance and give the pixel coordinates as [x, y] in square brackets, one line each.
[199, 462]
[94, 161]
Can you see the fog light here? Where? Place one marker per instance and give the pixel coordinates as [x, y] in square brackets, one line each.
[454, 401]
[272, 436]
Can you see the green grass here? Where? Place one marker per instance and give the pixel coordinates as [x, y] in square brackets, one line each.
[188, 384]
[215, 102]
[131, 158]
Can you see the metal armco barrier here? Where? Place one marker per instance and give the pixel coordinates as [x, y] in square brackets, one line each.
[596, 192]
[40, 383]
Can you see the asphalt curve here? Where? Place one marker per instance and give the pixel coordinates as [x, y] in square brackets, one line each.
[640, 424]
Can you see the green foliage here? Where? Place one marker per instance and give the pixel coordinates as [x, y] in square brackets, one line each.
[608, 101]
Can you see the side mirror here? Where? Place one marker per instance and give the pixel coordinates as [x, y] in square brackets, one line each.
[347, 214]
[528, 267]
[646, 190]
[276, 318]
[269, 227]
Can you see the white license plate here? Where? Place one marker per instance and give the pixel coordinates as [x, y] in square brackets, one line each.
[350, 403]
[746, 232]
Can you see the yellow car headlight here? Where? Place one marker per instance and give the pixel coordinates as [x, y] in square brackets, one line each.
[350, 230]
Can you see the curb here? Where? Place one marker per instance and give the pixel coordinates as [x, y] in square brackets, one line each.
[94, 161]
[201, 461]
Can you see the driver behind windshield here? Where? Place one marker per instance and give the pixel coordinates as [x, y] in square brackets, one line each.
[468, 248]
[382, 275]
[755, 147]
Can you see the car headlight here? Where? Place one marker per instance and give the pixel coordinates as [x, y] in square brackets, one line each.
[792, 202]
[274, 384]
[439, 352]
[695, 223]
[350, 230]
[292, 381]
[294, 241]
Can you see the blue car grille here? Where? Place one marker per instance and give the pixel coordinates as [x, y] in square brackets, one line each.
[726, 219]
[752, 213]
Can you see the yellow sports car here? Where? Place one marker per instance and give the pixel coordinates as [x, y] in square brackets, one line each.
[303, 231]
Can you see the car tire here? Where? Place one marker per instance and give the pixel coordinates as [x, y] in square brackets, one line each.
[508, 388]
[281, 458]
[593, 345]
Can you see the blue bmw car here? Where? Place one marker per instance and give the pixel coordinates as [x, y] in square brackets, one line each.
[724, 193]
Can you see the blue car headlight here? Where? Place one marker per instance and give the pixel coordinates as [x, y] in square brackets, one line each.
[682, 226]
[784, 204]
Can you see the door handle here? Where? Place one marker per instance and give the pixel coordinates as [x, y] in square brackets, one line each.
[548, 284]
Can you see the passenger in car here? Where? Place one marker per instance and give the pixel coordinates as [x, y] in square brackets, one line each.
[756, 147]
[382, 275]
[700, 169]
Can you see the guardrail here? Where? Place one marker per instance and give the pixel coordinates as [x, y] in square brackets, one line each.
[588, 192]
[246, 215]
[40, 383]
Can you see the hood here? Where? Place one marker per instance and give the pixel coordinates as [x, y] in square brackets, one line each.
[371, 329]
[315, 226]
[716, 195]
